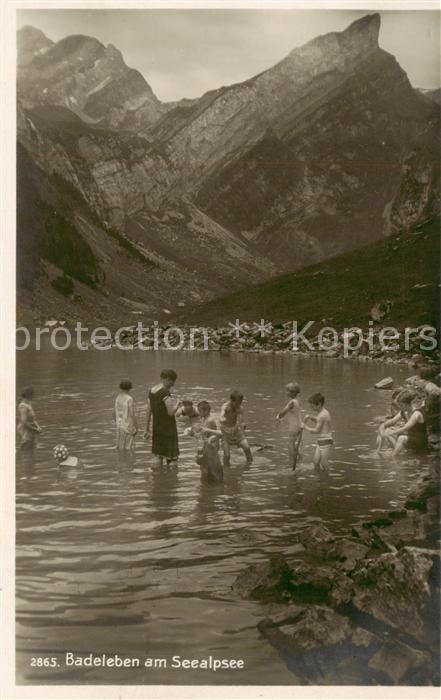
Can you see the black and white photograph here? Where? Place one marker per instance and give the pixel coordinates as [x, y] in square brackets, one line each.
[227, 377]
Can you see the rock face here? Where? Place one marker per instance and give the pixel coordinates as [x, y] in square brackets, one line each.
[115, 279]
[82, 74]
[392, 588]
[434, 94]
[311, 635]
[341, 120]
[324, 152]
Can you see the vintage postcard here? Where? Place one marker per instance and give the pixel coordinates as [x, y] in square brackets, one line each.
[220, 365]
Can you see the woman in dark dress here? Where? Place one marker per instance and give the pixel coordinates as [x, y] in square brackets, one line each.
[162, 408]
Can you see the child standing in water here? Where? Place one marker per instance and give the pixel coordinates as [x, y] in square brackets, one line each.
[27, 428]
[125, 418]
[207, 435]
[231, 421]
[292, 413]
[321, 421]
[187, 413]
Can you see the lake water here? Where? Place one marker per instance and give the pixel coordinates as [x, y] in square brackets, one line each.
[113, 557]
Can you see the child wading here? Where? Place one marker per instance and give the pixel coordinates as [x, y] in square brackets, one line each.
[322, 428]
[125, 418]
[231, 422]
[292, 413]
[27, 427]
[207, 435]
[162, 408]
[187, 413]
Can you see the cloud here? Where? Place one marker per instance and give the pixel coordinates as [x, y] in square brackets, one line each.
[184, 53]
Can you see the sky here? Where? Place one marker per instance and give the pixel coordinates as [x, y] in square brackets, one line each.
[184, 53]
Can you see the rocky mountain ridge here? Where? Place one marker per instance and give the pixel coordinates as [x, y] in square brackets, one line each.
[80, 73]
[326, 151]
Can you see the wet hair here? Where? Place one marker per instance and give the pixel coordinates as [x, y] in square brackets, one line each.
[187, 402]
[293, 388]
[27, 392]
[125, 385]
[406, 397]
[204, 406]
[236, 396]
[169, 374]
[395, 399]
[317, 399]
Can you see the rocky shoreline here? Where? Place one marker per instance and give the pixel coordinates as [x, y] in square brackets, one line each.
[251, 339]
[362, 609]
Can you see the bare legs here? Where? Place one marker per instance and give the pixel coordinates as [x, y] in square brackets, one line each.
[170, 463]
[384, 440]
[321, 458]
[244, 446]
[400, 445]
[293, 449]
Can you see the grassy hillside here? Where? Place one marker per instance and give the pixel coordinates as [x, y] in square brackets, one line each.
[402, 270]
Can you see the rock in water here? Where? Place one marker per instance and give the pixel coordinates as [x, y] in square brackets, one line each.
[270, 580]
[310, 639]
[394, 588]
[304, 629]
[348, 552]
[317, 539]
[398, 661]
[386, 383]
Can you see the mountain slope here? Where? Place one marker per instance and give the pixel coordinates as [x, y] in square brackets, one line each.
[402, 271]
[72, 266]
[434, 94]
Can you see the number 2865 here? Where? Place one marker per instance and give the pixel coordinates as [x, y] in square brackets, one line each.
[46, 661]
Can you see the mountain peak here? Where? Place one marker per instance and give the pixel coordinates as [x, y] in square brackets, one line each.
[113, 53]
[29, 32]
[366, 28]
[30, 42]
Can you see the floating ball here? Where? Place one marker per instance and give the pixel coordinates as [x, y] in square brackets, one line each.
[60, 453]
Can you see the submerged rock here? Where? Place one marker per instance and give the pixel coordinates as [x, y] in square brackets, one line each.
[317, 539]
[400, 663]
[270, 580]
